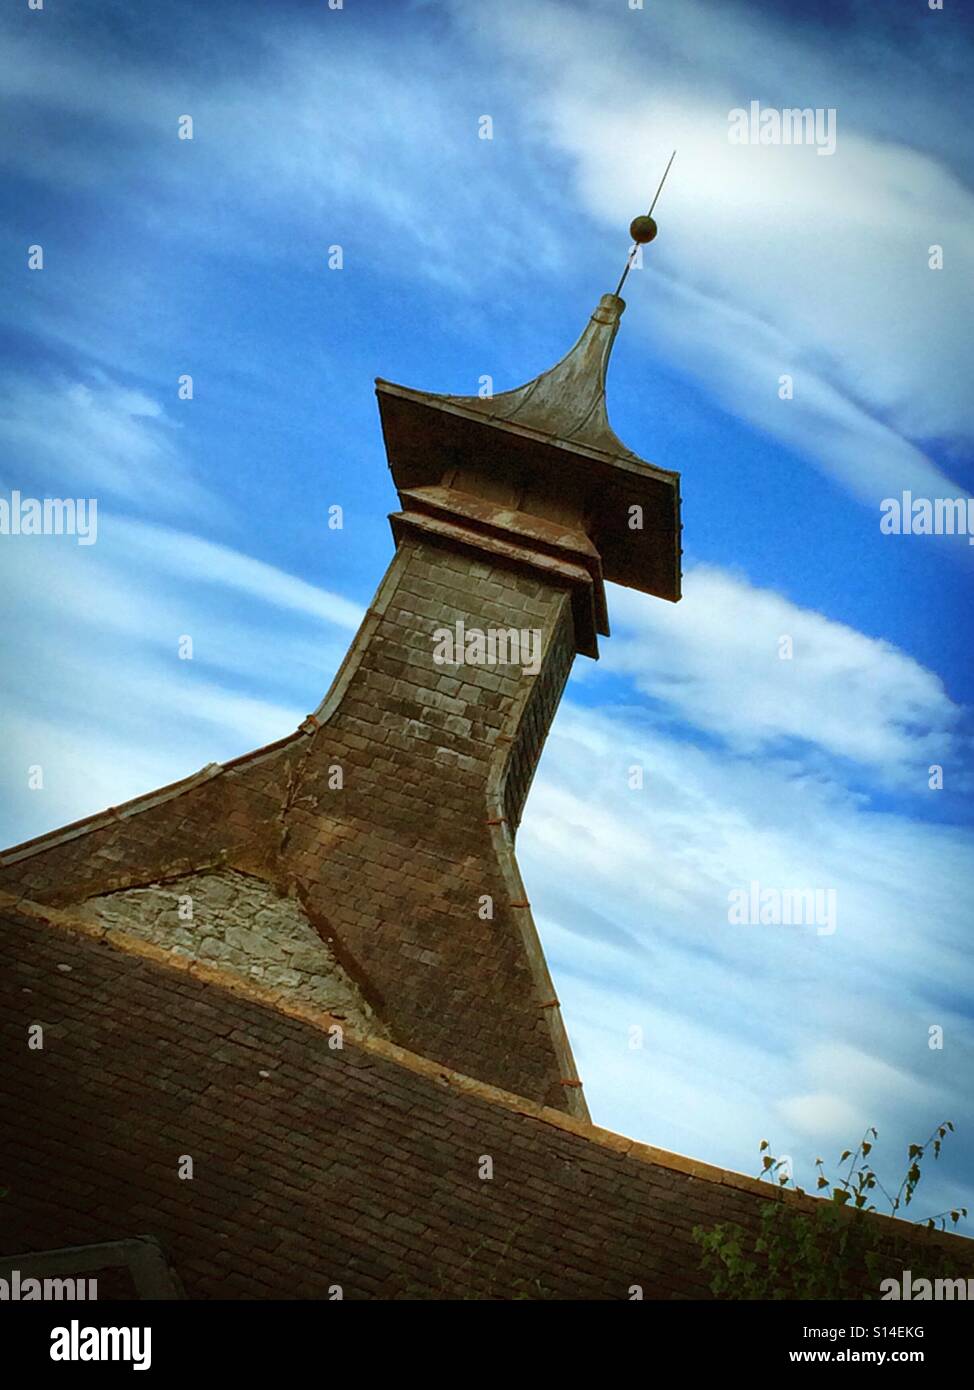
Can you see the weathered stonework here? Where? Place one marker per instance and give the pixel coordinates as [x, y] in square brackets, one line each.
[247, 927]
[387, 817]
[390, 815]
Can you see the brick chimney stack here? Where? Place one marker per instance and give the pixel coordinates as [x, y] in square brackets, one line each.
[364, 865]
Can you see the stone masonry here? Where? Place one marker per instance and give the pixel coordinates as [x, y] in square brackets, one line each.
[245, 925]
[384, 817]
[389, 817]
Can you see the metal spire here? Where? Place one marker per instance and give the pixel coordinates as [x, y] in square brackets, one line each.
[643, 229]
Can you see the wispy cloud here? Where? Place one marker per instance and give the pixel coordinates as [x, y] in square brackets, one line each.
[747, 1029]
[96, 435]
[771, 260]
[756, 670]
[193, 558]
[97, 648]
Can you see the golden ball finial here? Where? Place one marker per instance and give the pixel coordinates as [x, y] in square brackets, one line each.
[643, 229]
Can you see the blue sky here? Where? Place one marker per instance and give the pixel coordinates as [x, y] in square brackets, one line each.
[462, 256]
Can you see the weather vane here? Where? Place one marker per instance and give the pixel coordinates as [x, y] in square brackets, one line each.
[643, 229]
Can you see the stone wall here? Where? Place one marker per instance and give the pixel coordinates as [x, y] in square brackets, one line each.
[246, 926]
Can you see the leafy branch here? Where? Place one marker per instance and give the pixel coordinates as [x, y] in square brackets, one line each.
[828, 1250]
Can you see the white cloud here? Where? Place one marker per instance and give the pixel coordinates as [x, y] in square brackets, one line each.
[85, 767]
[385, 175]
[815, 1115]
[208, 562]
[770, 260]
[714, 660]
[96, 436]
[760, 1031]
[95, 648]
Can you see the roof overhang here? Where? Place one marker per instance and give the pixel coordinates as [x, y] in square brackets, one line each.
[426, 436]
